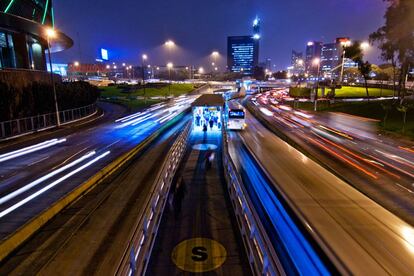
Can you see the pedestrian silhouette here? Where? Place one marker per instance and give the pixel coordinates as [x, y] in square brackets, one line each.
[179, 194]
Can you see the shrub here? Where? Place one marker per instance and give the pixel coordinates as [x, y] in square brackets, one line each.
[299, 92]
[37, 98]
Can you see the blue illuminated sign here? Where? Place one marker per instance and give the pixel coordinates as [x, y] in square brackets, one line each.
[104, 54]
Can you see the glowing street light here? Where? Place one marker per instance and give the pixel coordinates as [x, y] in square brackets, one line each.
[108, 66]
[169, 43]
[316, 62]
[50, 34]
[76, 63]
[201, 70]
[215, 54]
[364, 45]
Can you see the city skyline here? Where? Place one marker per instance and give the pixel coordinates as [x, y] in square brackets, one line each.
[121, 34]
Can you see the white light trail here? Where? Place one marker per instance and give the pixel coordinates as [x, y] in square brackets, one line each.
[6, 198]
[51, 185]
[27, 150]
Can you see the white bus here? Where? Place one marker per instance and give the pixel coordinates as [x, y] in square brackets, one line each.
[235, 116]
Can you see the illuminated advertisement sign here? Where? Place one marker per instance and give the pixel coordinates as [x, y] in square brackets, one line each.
[104, 54]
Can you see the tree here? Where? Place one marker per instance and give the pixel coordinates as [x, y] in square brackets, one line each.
[355, 53]
[396, 38]
[404, 108]
[280, 75]
[258, 73]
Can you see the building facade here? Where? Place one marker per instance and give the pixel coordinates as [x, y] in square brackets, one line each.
[297, 63]
[313, 51]
[242, 54]
[23, 39]
[331, 60]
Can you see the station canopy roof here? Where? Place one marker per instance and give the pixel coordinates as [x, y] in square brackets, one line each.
[209, 100]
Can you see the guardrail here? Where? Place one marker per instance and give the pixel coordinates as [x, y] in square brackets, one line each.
[19, 127]
[262, 256]
[135, 258]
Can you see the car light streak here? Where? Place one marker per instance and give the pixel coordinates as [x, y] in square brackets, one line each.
[406, 149]
[27, 150]
[392, 166]
[266, 111]
[361, 158]
[398, 159]
[342, 158]
[51, 185]
[336, 132]
[43, 178]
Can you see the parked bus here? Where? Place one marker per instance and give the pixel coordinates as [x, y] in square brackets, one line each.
[235, 116]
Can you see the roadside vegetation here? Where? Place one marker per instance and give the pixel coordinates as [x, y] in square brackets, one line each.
[135, 97]
[37, 98]
[392, 117]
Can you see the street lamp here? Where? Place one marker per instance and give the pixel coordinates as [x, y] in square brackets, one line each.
[344, 45]
[50, 34]
[214, 55]
[316, 62]
[144, 58]
[364, 45]
[76, 63]
[169, 66]
[170, 43]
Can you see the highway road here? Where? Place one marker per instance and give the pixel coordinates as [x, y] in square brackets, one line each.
[34, 177]
[91, 235]
[379, 167]
[356, 234]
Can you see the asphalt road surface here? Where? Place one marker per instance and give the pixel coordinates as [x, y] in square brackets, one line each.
[357, 234]
[34, 177]
[379, 167]
[90, 236]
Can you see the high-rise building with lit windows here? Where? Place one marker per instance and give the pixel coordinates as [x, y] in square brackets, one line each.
[243, 51]
[23, 40]
[313, 51]
[242, 54]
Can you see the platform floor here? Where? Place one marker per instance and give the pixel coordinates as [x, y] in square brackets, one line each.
[202, 235]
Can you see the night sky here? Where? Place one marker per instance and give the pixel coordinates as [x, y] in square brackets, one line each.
[129, 28]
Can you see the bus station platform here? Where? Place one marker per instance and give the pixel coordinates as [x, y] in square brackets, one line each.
[198, 232]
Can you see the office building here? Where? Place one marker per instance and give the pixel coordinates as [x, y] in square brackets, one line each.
[23, 39]
[242, 54]
[313, 51]
[297, 63]
[331, 60]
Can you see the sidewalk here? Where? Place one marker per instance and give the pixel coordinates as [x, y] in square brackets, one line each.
[202, 235]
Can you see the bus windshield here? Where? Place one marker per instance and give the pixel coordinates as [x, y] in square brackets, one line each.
[236, 113]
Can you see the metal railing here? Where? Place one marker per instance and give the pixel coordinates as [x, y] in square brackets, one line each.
[135, 258]
[262, 256]
[23, 126]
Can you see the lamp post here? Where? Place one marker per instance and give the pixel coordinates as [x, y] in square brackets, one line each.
[169, 66]
[316, 62]
[200, 71]
[344, 45]
[144, 58]
[170, 45]
[51, 33]
[215, 55]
